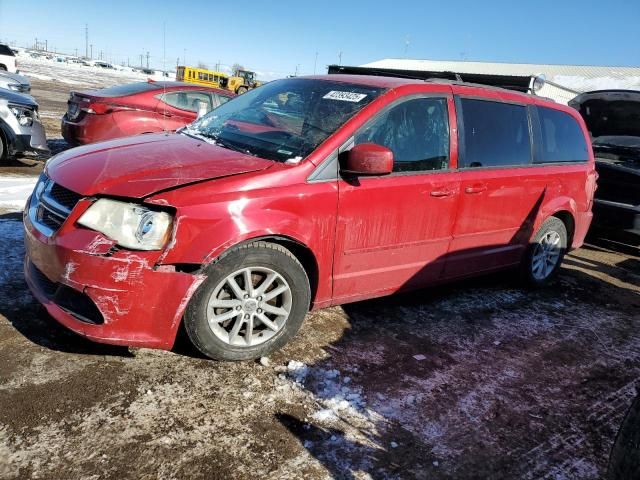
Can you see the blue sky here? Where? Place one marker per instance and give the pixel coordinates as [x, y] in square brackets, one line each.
[277, 37]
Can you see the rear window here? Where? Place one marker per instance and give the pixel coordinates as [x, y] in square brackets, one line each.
[561, 138]
[4, 50]
[124, 90]
[495, 134]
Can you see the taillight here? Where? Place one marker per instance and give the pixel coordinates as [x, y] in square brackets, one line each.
[102, 108]
[97, 108]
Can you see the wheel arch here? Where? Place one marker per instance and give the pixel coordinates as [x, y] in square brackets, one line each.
[567, 218]
[7, 136]
[302, 252]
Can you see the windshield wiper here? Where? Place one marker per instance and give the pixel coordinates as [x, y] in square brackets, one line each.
[230, 146]
[190, 133]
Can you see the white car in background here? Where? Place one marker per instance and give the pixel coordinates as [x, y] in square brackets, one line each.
[7, 60]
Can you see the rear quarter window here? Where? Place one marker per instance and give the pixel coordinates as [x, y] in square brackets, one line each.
[495, 134]
[561, 138]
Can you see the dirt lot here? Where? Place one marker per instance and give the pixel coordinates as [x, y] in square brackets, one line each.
[474, 380]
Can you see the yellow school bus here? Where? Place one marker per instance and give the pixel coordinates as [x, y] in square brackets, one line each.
[200, 76]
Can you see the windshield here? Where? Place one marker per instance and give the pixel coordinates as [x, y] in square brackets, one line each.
[284, 120]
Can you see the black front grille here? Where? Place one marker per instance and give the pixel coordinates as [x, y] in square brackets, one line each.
[42, 282]
[76, 303]
[48, 218]
[50, 205]
[64, 197]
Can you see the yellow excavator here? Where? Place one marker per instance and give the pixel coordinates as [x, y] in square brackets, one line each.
[241, 81]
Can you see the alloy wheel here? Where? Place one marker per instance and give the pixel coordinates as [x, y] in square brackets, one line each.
[546, 255]
[249, 306]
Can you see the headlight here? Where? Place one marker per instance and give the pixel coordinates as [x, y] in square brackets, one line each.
[130, 225]
[24, 115]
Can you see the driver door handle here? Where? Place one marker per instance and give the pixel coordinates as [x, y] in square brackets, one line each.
[477, 188]
[441, 193]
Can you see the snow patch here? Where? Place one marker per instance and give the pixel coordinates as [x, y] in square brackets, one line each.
[14, 191]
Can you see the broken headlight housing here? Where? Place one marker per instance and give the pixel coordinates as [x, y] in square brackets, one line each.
[24, 115]
[130, 225]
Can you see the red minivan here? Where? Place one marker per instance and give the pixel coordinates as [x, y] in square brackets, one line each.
[304, 193]
[136, 108]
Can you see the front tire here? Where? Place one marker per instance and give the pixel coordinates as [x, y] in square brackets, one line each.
[253, 302]
[4, 149]
[241, 90]
[545, 253]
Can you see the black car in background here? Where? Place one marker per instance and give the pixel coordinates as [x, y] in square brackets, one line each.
[613, 120]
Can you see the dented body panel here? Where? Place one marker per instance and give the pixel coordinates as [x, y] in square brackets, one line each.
[140, 305]
[366, 237]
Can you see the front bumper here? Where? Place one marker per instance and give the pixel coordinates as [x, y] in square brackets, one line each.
[30, 139]
[139, 304]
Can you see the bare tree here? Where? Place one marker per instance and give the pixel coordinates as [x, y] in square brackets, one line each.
[203, 65]
[236, 67]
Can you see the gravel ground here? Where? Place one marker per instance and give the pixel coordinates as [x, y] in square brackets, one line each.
[479, 379]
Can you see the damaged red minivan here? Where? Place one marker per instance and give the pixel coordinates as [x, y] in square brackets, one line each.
[304, 193]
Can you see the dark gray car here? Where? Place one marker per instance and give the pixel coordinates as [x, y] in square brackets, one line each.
[20, 127]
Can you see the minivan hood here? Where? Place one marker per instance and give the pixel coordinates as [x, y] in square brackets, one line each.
[139, 166]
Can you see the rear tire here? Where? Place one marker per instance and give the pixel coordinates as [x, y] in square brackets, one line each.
[241, 90]
[253, 302]
[541, 262]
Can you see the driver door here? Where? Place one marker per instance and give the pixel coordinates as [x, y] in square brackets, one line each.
[393, 231]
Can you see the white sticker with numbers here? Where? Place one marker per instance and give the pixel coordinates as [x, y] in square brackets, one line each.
[345, 96]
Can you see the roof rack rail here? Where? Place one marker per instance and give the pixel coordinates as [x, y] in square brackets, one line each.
[508, 82]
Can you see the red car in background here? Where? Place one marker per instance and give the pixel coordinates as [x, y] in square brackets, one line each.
[135, 108]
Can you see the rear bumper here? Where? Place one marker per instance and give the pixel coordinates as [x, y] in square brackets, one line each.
[616, 216]
[76, 133]
[134, 303]
[581, 227]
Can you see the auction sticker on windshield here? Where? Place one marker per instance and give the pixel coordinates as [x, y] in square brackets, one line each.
[345, 96]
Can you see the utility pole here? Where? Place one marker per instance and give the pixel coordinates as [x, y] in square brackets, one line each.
[141, 55]
[91, 46]
[86, 40]
[76, 52]
[340, 57]
[147, 59]
[315, 62]
[45, 46]
[100, 54]
[296, 74]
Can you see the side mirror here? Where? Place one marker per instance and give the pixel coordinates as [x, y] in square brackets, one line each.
[368, 159]
[203, 109]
